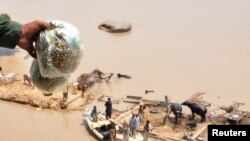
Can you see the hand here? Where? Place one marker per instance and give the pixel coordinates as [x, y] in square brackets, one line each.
[29, 34]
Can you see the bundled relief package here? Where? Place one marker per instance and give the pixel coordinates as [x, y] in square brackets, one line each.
[58, 50]
[45, 84]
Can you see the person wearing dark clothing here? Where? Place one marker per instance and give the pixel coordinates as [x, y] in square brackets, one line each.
[147, 129]
[65, 95]
[13, 33]
[108, 111]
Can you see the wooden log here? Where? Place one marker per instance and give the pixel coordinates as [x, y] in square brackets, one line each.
[134, 97]
[199, 132]
[74, 99]
[155, 135]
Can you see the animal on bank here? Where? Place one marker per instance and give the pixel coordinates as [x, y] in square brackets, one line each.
[7, 77]
[27, 79]
[196, 109]
[192, 125]
[177, 110]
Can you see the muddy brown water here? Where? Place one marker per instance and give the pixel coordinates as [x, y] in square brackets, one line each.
[176, 48]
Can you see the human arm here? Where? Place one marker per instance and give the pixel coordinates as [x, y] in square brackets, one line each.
[13, 33]
[10, 32]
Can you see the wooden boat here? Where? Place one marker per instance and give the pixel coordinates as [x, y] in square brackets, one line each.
[104, 98]
[101, 127]
[133, 99]
[139, 99]
[93, 126]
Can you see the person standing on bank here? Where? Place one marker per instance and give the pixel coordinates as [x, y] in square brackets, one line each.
[108, 111]
[13, 33]
[147, 129]
[83, 88]
[133, 125]
[125, 129]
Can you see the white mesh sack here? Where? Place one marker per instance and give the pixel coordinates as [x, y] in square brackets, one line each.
[45, 84]
[58, 50]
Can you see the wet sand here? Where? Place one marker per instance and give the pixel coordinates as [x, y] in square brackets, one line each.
[176, 48]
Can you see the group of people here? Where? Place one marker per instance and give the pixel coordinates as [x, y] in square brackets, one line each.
[129, 129]
[136, 120]
[108, 111]
[134, 125]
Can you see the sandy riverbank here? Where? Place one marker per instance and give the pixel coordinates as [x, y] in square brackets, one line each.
[20, 92]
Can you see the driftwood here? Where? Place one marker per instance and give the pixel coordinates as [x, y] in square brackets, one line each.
[104, 98]
[88, 80]
[196, 135]
[159, 136]
[138, 100]
[115, 26]
[96, 76]
[123, 76]
[149, 91]
[64, 105]
[230, 108]
[197, 98]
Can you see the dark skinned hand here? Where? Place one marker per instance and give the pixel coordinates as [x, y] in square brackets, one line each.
[29, 34]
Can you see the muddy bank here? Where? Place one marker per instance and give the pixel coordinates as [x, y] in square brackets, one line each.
[22, 93]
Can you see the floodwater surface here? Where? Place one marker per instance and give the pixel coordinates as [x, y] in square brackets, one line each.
[175, 48]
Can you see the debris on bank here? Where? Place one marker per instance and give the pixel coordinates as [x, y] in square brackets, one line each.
[139, 99]
[115, 26]
[22, 93]
[164, 125]
[104, 98]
